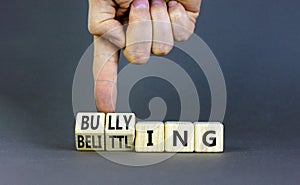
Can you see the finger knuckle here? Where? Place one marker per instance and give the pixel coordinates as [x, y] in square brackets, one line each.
[92, 28]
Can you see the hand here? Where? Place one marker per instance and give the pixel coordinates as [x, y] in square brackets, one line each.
[151, 29]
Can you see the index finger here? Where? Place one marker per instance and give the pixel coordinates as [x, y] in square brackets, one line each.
[105, 68]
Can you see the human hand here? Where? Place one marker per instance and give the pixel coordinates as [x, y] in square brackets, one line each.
[151, 29]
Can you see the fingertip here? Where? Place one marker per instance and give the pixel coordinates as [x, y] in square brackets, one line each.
[136, 57]
[161, 49]
[105, 96]
[182, 34]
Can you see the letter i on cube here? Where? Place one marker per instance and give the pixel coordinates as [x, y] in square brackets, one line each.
[120, 132]
[149, 137]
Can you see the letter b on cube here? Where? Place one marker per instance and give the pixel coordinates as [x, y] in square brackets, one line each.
[89, 131]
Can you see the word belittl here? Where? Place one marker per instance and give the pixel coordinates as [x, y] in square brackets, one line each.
[120, 132]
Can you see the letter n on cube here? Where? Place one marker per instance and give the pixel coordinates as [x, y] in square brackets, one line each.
[179, 136]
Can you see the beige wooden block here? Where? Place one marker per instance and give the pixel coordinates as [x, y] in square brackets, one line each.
[209, 136]
[89, 131]
[179, 137]
[149, 137]
[119, 131]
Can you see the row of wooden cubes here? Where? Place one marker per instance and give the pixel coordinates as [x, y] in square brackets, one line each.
[120, 132]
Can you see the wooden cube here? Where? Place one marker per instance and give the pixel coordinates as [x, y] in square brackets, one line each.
[149, 137]
[119, 131]
[209, 136]
[179, 137]
[89, 131]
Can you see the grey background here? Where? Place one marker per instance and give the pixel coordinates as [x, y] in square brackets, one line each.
[257, 45]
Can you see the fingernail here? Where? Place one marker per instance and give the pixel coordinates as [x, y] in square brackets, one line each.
[140, 3]
[172, 3]
[157, 1]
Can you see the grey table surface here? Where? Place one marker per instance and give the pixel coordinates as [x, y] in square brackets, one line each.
[257, 45]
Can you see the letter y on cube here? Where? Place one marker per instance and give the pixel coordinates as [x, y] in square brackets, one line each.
[120, 131]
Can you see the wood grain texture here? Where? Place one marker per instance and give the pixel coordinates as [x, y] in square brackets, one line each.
[89, 131]
[179, 137]
[119, 131]
[149, 137]
[209, 136]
